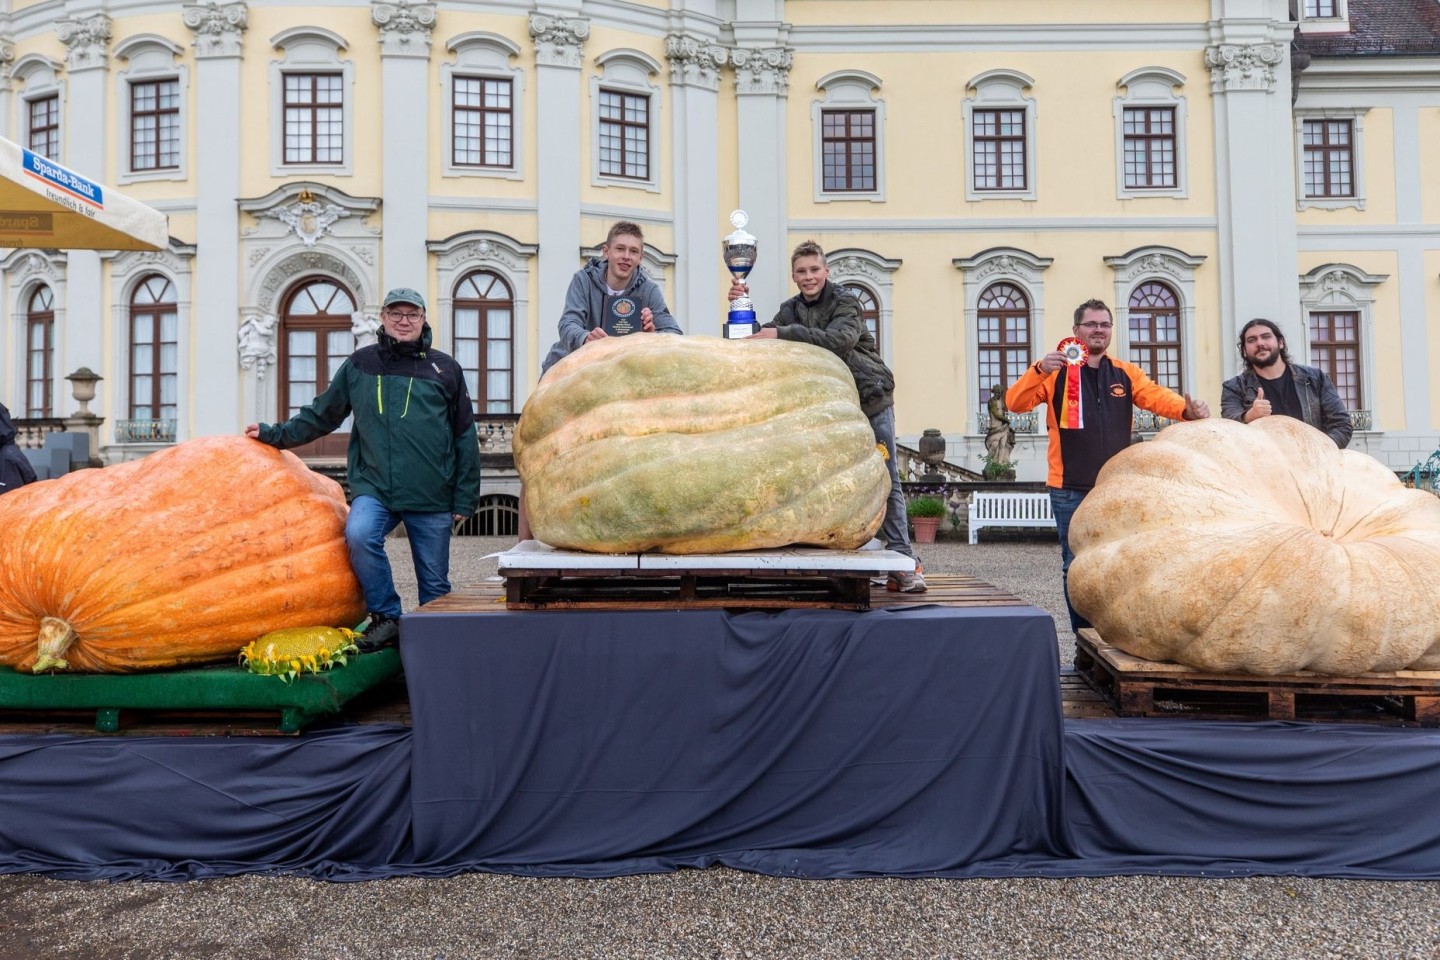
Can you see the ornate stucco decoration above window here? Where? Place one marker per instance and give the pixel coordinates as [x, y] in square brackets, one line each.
[762, 70]
[219, 27]
[694, 61]
[87, 40]
[558, 40]
[404, 26]
[307, 216]
[1243, 66]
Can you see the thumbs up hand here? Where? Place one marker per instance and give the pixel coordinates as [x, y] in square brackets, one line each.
[1260, 408]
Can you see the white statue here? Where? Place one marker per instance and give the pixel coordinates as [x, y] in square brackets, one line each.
[257, 342]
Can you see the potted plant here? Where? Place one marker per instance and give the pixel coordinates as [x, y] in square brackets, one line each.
[997, 469]
[925, 514]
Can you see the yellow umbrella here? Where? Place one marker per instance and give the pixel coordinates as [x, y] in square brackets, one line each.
[43, 204]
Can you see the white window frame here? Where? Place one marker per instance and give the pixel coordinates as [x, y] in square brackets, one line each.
[41, 78]
[1356, 116]
[877, 273]
[847, 90]
[24, 270]
[127, 269]
[310, 50]
[484, 56]
[1152, 87]
[1337, 287]
[1000, 265]
[1174, 268]
[465, 253]
[1340, 23]
[626, 71]
[1000, 90]
[151, 58]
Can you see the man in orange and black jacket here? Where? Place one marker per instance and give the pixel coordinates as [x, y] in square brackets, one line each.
[1088, 428]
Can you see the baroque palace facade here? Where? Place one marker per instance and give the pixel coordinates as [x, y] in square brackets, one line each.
[975, 169]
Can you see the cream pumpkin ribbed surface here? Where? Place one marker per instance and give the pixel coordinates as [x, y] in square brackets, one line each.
[1259, 548]
[699, 445]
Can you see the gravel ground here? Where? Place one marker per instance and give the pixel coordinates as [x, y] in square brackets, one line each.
[722, 913]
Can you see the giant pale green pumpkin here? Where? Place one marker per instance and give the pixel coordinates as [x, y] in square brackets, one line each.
[699, 445]
[1259, 548]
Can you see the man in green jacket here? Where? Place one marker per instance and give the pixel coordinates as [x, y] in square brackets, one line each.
[413, 458]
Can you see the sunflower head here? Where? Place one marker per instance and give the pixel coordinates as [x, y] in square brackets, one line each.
[288, 653]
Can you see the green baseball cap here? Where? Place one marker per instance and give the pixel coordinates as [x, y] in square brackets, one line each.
[404, 295]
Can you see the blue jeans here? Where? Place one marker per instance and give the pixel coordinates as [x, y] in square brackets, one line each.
[895, 531]
[1063, 504]
[429, 533]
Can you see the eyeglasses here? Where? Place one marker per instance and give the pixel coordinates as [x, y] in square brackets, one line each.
[405, 317]
[1092, 325]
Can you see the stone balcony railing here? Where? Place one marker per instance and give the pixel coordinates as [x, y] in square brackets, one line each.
[30, 432]
[496, 432]
[145, 431]
[1020, 422]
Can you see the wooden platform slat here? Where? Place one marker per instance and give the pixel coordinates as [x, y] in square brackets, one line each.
[950, 590]
[1144, 688]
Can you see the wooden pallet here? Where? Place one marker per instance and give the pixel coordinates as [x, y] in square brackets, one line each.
[688, 590]
[957, 591]
[1145, 688]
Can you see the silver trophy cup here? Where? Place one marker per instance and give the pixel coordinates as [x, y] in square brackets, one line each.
[739, 251]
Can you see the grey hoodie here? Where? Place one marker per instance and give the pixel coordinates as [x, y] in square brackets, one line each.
[585, 303]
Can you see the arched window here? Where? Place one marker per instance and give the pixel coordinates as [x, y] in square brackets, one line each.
[485, 341]
[154, 355]
[869, 307]
[39, 352]
[1003, 339]
[317, 340]
[1155, 334]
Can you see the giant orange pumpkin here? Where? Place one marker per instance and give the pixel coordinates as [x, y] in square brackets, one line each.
[182, 557]
[699, 445]
[1259, 548]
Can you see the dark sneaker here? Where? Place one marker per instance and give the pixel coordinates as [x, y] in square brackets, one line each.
[906, 582]
[380, 632]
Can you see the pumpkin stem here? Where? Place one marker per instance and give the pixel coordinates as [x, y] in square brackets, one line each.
[55, 638]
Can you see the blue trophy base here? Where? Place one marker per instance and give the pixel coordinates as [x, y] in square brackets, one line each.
[740, 324]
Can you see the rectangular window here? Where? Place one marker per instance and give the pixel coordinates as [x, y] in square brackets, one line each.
[45, 126]
[314, 118]
[999, 149]
[1149, 147]
[1155, 346]
[1319, 8]
[624, 135]
[1004, 350]
[847, 142]
[482, 122]
[155, 125]
[1329, 158]
[39, 354]
[1335, 349]
[153, 358]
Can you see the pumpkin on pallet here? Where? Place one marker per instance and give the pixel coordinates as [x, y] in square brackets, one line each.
[1259, 548]
[692, 445]
[180, 558]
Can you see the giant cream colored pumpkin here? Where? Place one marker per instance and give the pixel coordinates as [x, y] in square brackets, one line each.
[1259, 548]
[182, 557]
[699, 445]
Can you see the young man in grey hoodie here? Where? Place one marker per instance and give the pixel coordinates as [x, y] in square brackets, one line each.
[612, 281]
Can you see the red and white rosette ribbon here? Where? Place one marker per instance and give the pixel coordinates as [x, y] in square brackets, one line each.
[1071, 416]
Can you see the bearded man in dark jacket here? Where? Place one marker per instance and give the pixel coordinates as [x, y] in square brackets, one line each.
[413, 455]
[1273, 384]
[826, 316]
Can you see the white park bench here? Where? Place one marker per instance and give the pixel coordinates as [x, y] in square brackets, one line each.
[1009, 510]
